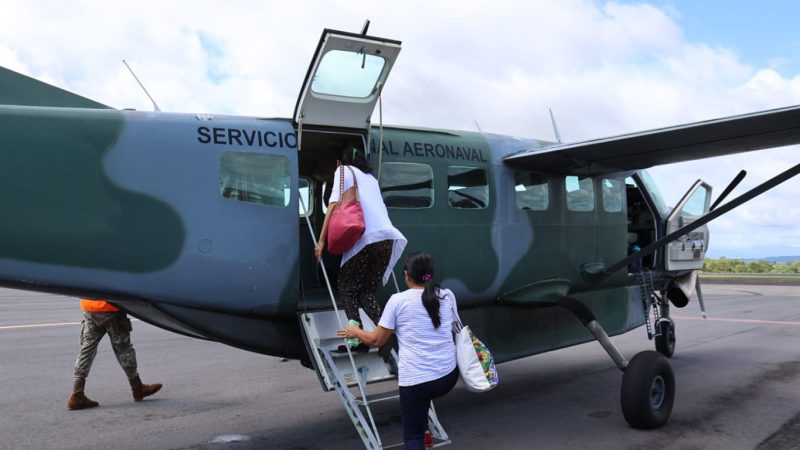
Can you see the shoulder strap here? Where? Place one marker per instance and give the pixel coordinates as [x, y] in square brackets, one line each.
[341, 181]
[355, 182]
[457, 325]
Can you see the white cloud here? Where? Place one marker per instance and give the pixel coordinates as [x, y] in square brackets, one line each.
[604, 68]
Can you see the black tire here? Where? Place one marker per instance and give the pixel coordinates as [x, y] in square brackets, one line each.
[665, 342]
[648, 391]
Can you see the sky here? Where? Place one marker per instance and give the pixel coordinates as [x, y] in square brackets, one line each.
[604, 68]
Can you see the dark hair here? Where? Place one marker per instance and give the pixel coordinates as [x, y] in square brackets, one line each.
[419, 267]
[352, 155]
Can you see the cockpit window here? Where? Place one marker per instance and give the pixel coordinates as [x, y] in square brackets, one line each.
[467, 187]
[255, 178]
[407, 185]
[580, 193]
[655, 194]
[347, 74]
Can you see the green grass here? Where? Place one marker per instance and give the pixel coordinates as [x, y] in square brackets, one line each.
[751, 278]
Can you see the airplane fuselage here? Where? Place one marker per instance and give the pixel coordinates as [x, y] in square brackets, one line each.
[192, 222]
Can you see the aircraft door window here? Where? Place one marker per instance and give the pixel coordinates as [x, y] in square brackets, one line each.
[255, 178]
[531, 191]
[347, 74]
[696, 206]
[612, 195]
[407, 185]
[580, 193]
[467, 187]
[305, 198]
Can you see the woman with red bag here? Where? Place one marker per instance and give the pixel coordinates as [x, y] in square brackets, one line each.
[371, 259]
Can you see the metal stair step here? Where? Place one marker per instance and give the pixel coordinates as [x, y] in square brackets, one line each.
[379, 397]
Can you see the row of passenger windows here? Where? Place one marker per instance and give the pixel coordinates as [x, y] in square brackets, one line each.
[410, 185]
[265, 179]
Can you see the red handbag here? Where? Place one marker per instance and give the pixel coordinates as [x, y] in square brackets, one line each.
[347, 220]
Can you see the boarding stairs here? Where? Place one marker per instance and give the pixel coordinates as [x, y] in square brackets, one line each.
[351, 374]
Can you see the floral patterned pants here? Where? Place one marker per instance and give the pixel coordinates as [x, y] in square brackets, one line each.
[360, 277]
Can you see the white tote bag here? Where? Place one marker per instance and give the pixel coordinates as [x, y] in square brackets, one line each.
[475, 362]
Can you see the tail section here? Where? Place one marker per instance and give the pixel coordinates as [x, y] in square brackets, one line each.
[18, 89]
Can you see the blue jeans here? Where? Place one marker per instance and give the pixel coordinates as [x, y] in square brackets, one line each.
[414, 403]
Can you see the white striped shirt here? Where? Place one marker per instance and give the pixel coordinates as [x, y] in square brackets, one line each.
[426, 353]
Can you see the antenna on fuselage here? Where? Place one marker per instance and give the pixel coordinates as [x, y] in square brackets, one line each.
[155, 105]
[478, 127]
[555, 127]
[365, 28]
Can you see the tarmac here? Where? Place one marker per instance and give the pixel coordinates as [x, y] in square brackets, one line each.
[737, 375]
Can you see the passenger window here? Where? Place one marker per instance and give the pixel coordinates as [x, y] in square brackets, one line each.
[467, 187]
[305, 198]
[407, 185]
[531, 191]
[612, 195]
[580, 193]
[255, 178]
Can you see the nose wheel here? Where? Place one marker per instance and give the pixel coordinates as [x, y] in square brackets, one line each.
[648, 391]
[665, 340]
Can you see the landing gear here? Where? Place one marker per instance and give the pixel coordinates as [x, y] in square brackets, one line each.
[665, 339]
[648, 391]
[648, 383]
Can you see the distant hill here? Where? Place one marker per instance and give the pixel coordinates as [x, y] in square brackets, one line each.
[775, 259]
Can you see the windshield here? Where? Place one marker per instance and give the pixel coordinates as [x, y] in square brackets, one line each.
[655, 194]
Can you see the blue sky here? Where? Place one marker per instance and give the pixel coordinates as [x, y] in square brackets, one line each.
[605, 68]
[762, 33]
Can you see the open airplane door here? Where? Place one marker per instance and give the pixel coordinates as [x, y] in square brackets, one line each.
[688, 251]
[345, 80]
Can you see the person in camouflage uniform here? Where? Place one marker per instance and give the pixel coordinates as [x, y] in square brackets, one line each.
[101, 318]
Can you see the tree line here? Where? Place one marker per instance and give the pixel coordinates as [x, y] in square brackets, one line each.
[734, 265]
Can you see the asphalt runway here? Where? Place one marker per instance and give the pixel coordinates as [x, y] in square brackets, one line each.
[738, 387]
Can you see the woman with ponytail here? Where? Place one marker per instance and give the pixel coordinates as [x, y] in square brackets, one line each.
[421, 316]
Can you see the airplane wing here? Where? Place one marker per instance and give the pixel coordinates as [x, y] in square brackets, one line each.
[736, 134]
[18, 89]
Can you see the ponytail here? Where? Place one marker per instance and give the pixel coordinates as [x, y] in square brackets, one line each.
[419, 267]
[430, 300]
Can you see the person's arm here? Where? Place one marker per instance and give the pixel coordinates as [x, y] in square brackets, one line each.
[323, 235]
[377, 338]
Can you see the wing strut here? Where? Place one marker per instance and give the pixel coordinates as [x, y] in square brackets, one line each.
[747, 196]
[735, 182]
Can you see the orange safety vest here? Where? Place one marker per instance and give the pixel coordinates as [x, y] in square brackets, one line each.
[97, 306]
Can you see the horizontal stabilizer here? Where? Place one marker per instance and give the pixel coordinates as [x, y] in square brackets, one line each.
[18, 89]
[744, 133]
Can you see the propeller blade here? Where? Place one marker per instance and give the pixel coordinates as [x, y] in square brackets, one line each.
[735, 182]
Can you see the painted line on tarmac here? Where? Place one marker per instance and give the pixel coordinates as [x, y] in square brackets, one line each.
[718, 319]
[45, 325]
[39, 325]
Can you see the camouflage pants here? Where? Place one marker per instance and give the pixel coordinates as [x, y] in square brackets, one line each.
[360, 277]
[95, 325]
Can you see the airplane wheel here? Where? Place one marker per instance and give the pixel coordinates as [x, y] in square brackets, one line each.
[665, 342]
[648, 391]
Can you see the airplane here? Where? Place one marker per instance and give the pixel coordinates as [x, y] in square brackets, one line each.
[205, 224]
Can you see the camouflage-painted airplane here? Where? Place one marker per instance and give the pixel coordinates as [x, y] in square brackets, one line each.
[199, 223]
